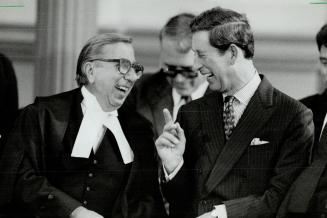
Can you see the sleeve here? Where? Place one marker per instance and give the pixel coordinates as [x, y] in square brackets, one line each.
[28, 181]
[293, 158]
[180, 189]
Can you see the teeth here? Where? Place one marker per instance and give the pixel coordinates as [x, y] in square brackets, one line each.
[123, 88]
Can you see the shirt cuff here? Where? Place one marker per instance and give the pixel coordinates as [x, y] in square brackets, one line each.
[219, 211]
[173, 174]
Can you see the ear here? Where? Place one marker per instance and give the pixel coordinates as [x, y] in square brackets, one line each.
[233, 53]
[89, 71]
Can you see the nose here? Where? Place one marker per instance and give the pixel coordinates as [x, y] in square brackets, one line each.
[197, 64]
[179, 78]
[131, 75]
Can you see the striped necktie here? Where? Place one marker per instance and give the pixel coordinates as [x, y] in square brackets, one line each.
[229, 116]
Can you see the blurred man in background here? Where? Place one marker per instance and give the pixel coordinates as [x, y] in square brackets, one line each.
[308, 195]
[81, 153]
[177, 82]
[318, 103]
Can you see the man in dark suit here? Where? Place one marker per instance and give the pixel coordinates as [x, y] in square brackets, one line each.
[81, 153]
[235, 152]
[318, 103]
[176, 82]
[307, 197]
[8, 98]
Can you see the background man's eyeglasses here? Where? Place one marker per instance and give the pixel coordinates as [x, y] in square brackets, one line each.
[172, 71]
[124, 65]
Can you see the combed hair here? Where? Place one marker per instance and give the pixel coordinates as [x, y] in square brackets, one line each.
[226, 27]
[92, 48]
[321, 37]
[178, 28]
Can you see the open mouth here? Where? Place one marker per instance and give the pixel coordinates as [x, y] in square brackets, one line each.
[210, 75]
[123, 89]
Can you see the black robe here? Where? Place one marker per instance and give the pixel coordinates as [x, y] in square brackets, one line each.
[41, 131]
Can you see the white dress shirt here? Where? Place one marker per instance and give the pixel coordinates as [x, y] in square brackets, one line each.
[93, 128]
[243, 96]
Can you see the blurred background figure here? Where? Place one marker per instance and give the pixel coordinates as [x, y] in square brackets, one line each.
[307, 197]
[318, 102]
[8, 98]
[176, 82]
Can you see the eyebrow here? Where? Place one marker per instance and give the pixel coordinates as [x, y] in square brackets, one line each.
[323, 58]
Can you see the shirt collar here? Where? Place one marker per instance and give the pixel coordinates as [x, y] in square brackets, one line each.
[198, 93]
[245, 94]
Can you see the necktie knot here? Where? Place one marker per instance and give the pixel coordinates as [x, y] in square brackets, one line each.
[229, 116]
[186, 98]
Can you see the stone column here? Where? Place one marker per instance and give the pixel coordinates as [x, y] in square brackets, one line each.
[63, 26]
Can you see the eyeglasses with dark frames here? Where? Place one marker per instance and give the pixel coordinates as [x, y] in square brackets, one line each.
[124, 65]
[173, 70]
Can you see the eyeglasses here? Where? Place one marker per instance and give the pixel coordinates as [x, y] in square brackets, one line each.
[124, 65]
[173, 70]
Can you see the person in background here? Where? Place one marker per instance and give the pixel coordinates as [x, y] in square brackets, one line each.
[176, 83]
[82, 153]
[307, 197]
[235, 152]
[8, 97]
[318, 102]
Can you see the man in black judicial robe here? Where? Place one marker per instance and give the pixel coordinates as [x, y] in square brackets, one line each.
[40, 176]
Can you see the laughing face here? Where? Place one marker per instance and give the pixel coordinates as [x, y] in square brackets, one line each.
[109, 86]
[211, 63]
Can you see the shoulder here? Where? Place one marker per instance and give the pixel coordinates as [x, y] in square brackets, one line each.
[208, 99]
[313, 100]
[58, 100]
[133, 120]
[285, 101]
[58, 105]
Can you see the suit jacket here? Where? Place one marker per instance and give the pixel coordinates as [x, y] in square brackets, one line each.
[250, 180]
[41, 132]
[307, 196]
[150, 96]
[8, 98]
[318, 104]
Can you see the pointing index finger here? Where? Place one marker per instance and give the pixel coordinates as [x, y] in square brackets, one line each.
[167, 116]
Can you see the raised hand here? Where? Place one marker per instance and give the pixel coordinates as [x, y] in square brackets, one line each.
[171, 143]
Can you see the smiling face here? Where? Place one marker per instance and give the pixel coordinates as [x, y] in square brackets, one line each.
[106, 83]
[212, 64]
[170, 56]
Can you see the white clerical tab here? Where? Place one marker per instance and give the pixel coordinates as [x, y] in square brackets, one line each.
[87, 137]
[126, 152]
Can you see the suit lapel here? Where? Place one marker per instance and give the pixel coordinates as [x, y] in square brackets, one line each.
[254, 117]
[211, 114]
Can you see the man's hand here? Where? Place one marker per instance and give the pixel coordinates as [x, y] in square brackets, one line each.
[171, 143]
[82, 212]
